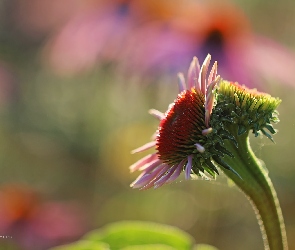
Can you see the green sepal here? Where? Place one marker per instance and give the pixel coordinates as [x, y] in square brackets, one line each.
[270, 128]
[224, 151]
[211, 166]
[241, 129]
[225, 165]
[267, 135]
[210, 171]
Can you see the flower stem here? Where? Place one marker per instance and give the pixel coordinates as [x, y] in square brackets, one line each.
[257, 186]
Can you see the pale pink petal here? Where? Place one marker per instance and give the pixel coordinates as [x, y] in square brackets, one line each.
[164, 168]
[144, 147]
[142, 162]
[210, 100]
[156, 113]
[188, 167]
[203, 73]
[177, 171]
[149, 167]
[145, 178]
[193, 73]
[165, 178]
[213, 73]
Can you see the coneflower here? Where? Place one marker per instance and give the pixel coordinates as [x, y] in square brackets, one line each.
[185, 141]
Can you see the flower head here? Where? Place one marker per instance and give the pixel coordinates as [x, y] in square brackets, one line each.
[184, 139]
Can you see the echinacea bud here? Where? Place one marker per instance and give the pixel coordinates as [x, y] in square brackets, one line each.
[247, 108]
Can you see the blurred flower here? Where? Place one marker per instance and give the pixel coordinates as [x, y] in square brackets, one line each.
[108, 32]
[218, 28]
[94, 34]
[243, 56]
[152, 36]
[184, 139]
[34, 224]
[37, 19]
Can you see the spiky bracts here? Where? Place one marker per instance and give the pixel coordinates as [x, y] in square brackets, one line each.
[246, 108]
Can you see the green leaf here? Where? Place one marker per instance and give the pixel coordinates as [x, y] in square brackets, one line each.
[128, 233]
[83, 245]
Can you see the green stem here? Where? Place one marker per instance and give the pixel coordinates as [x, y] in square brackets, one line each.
[257, 186]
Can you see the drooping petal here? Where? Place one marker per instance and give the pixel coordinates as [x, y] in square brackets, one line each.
[164, 178]
[142, 162]
[149, 167]
[188, 167]
[177, 171]
[145, 178]
[164, 168]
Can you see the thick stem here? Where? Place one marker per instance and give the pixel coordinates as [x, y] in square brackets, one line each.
[257, 186]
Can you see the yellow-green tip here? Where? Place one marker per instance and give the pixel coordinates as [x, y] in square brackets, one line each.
[246, 108]
[250, 99]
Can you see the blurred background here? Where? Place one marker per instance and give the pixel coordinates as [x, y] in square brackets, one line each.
[77, 78]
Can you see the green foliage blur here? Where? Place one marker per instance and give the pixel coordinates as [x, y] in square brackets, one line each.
[136, 235]
[70, 137]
